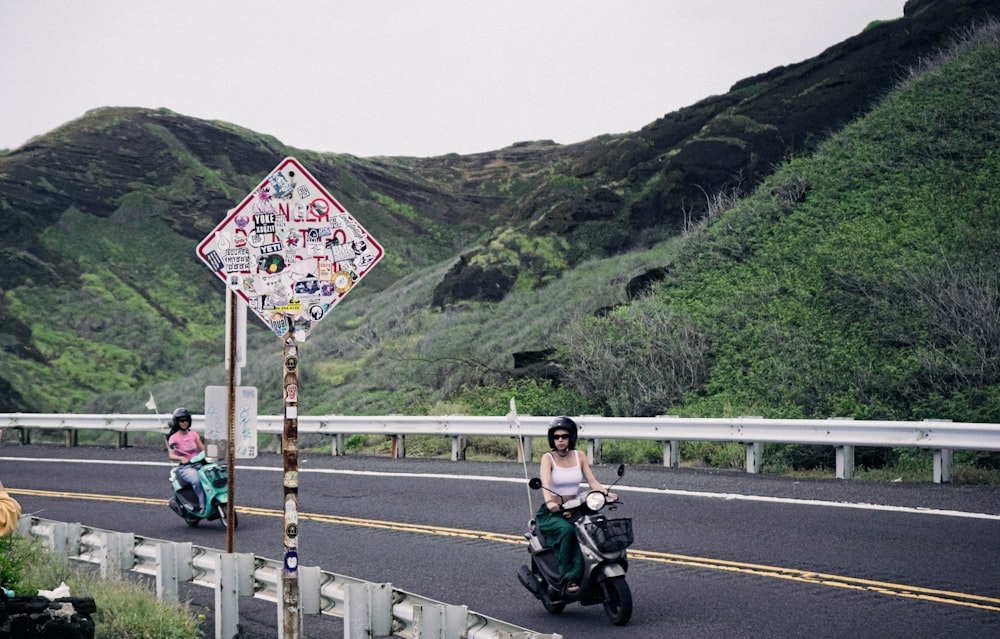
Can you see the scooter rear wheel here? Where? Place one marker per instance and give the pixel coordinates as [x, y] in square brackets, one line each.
[617, 600]
[553, 607]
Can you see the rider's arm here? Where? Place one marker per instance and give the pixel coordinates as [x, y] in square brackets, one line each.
[174, 455]
[177, 456]
[551, 502]
[588, 474]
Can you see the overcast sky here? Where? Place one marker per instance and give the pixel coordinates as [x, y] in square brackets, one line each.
[402, 77]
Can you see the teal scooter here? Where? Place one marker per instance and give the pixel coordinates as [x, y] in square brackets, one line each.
[215, 481]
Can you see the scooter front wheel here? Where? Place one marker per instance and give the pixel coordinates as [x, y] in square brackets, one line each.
[617, 600]
[224, 516]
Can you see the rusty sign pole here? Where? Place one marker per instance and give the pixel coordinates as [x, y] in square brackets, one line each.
[290, 583]
[232, 364]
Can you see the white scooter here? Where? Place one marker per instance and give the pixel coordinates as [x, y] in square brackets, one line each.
[603, 543]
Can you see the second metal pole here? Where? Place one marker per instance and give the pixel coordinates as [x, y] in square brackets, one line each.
[291, 617]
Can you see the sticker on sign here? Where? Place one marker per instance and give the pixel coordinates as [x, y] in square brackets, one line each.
[290, 250]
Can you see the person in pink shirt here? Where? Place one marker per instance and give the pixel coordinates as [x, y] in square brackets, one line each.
[183, 444]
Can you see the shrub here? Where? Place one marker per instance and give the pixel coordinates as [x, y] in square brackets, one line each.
[125, 608]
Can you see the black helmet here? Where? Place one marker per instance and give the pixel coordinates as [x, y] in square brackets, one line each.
[180, 412]
[563, 423]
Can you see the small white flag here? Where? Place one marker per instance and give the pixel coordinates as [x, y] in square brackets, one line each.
[512, 415]
[151, 404]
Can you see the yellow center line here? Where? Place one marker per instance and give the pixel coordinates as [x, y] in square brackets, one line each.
[823, 579]
[772, 572]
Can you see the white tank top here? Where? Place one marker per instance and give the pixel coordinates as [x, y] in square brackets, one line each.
[566, 481]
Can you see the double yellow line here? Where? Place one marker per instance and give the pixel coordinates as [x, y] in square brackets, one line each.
[771, 572]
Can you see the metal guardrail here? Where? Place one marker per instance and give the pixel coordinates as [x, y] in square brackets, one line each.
[368, 609]
[943, 437]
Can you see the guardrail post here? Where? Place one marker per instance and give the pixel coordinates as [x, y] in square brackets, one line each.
[309, 585]
[368, 610]
[943, 458]
[440, 621]
[122, 439]
[167, 585]
[227, 602]
[755, 457]
[64, 539]
[671, 454]
[595, 450]
[458, 443]
[524, 450]
[398, 446]
[116, 553]
[234, 578]
[338, 447]
[845, 461]
[72, 437]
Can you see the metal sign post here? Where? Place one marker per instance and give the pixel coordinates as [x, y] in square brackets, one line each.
[290, 482]
[291, 252]
[232, 372]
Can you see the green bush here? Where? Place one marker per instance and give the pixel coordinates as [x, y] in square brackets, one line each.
[616, 451]
[125, 609]
[13, 555]
[356, 442]
[532, 397]
[491, 448]
[715, 454]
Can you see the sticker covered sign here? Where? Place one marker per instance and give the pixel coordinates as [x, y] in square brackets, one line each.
[290, 250]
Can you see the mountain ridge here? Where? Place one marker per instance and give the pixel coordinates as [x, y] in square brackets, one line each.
[487, 224]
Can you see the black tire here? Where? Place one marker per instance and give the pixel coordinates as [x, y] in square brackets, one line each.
[553, 607]
[224, 516]
[191, 520]
[617, 600]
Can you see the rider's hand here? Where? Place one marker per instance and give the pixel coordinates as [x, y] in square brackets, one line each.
[612, 496]
[552, 506]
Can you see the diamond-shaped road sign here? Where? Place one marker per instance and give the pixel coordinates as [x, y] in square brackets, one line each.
[290, 250]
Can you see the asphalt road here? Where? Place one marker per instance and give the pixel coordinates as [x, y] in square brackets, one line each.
[717, 554]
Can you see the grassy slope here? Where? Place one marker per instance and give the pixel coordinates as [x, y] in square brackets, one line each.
[131, 315]
[813, 292]
[822, 294]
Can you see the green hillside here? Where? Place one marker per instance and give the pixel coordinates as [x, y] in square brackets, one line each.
[859, 282]
[853, 280]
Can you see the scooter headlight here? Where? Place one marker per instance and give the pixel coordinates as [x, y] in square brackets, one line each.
[596, 500]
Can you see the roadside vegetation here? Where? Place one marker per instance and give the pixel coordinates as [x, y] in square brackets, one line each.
[859, 282]
[125, 609]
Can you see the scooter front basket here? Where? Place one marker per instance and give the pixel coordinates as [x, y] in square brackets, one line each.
[611, 535]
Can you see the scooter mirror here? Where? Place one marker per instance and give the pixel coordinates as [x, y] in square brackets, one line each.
[621, 469]
[535, 483]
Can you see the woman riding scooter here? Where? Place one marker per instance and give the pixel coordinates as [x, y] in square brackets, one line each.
[183, 444]
[562, 470]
